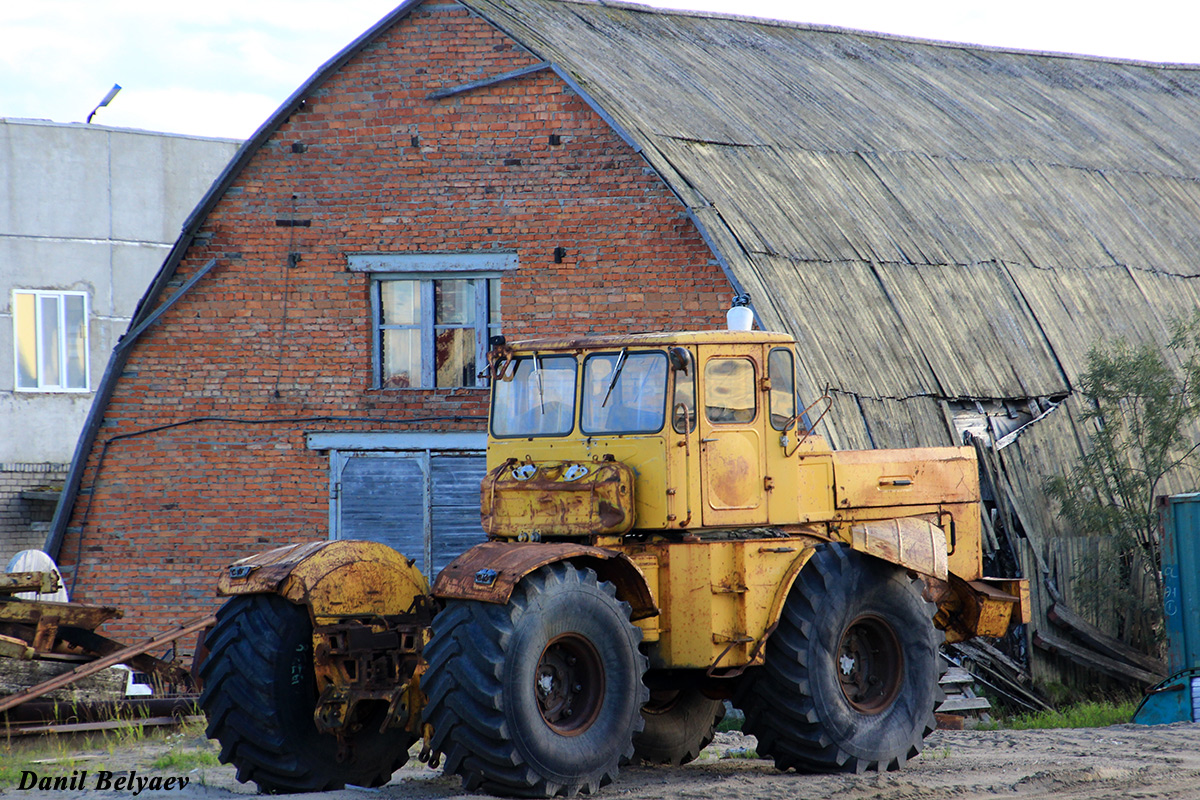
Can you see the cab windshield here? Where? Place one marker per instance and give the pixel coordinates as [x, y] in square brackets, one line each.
[624, 392]
[536, 397]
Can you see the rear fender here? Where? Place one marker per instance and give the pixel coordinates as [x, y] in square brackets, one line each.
[787, 580]
[912, 543]
[489, 572]
[334, 579]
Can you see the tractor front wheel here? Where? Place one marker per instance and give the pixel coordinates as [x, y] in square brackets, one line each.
[539, 697]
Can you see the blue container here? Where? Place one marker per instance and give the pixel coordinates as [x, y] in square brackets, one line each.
[1180, 515]
[1177, 699]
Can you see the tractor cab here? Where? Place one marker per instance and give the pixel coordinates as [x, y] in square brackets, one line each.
[602, 435]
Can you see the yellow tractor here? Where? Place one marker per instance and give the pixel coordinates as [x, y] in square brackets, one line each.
[664, 532]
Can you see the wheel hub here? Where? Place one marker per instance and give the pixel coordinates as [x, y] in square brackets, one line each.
[870, 664]
[569, 684]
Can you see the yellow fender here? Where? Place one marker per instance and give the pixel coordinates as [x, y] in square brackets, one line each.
[914, 543]
[490, 571]
[334, 579]
[786, 581]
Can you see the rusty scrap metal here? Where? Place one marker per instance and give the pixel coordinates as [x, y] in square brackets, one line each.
[40, 582]
[119, 657]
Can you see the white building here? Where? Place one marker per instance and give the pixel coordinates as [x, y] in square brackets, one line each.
[87, 214]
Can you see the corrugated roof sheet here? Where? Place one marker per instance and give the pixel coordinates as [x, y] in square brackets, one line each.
[927, 219]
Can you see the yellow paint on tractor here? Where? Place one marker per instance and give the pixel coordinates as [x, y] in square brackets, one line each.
[335, 580]
[723, 488]
[671, 482]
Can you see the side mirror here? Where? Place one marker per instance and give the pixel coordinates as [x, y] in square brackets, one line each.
[680, 359]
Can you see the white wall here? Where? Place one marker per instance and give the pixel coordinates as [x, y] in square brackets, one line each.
[93, 209]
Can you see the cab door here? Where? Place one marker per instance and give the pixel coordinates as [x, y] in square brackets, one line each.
[731, 447]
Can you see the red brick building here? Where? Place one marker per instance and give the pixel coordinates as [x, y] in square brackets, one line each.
[363, 246]
[946, 230]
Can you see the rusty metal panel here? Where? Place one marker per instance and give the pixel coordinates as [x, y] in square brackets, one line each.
[39, 582]
[41, 612]
[334, 579]
[558, 498]
[489, 572]
[263, 572]
[979, 608]
[910, 542]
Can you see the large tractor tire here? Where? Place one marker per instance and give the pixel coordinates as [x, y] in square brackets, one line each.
[850, 677]
[539, 697]
[679, 724]
[259, 695]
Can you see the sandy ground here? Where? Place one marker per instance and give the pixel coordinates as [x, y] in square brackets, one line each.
[1124, 761]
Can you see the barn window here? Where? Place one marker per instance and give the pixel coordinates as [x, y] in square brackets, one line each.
[50, 334]
[433, 332]
[433, 316]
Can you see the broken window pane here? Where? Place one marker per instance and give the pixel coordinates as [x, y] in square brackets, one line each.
[454, 302]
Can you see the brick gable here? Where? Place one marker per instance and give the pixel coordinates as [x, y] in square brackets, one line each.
[203, 448]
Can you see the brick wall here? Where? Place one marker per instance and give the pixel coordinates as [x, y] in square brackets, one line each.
[202, 446]
[24, 520]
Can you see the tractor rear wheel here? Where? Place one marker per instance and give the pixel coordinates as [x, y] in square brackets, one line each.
[539, 697]
[850, 676]
[679, 724]
[259, 696]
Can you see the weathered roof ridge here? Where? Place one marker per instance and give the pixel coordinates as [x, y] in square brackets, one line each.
[897, 37]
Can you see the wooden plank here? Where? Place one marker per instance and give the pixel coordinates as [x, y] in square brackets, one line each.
[953, 705]
[956, 675]
[1092, 660]
[118, 657]
[108, 725]
[1064, 617]
[1001, 674]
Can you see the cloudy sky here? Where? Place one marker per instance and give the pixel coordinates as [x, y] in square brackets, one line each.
[221, 67]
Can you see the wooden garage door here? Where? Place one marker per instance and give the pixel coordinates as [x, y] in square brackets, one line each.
[426, 505]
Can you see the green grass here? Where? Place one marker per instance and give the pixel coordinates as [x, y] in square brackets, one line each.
[740, 752]
[185, 760]
[11, 769]
[187, 749]
[1088, 714]
[730, 723]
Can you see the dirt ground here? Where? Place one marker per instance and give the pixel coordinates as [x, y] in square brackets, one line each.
[1124, 761]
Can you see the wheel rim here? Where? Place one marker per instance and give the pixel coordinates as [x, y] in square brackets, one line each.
[569, 684]
[870, 664]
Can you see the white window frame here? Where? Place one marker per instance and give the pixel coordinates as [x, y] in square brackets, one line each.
[59, 382]
[480, 268]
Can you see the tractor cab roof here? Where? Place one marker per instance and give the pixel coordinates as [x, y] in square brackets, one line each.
[656, 339]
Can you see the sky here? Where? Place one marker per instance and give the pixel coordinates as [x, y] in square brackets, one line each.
[221, 67]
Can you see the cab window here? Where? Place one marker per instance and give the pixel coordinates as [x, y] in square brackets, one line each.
[535, 397]
[782, 373]
[683, 413]
[624, 392]
[729, 395]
